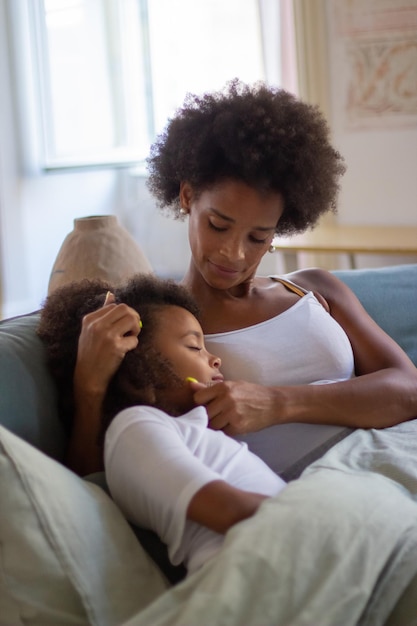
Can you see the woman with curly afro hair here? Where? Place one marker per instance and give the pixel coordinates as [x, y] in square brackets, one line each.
[259, 136]
[242, 165]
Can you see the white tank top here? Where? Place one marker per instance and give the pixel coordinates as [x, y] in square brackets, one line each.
[302, 345]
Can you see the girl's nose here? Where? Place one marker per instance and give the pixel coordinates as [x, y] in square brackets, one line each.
[215, 361]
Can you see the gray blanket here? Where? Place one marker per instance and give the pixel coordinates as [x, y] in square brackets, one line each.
[337, 547]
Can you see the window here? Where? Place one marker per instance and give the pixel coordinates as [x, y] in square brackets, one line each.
[109, 73]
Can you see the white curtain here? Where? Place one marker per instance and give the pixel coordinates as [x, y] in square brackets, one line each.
[294, 35]
[312, 52]
[312, 61]
[277, 25]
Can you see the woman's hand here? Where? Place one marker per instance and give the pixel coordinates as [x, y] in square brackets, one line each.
[238, 407]
[106, 336]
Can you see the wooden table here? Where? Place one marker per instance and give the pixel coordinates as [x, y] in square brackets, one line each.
[352, 240]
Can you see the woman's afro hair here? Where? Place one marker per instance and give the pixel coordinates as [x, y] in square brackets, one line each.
[142, 372]
[260, 135]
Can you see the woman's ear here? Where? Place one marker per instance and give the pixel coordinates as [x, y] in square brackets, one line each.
[186, 195]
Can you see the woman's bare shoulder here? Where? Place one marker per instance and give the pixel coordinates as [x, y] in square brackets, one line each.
[317, 280]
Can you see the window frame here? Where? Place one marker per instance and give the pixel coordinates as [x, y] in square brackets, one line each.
[32, 85]
[49, 162]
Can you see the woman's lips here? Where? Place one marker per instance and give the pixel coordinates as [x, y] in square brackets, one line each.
[221, 269]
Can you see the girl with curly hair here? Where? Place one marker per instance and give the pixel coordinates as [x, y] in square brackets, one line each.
[184, 481]
[242, 165]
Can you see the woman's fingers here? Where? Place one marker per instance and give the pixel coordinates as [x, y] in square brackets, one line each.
[217, 402]
[109, 298]
[107, 334]
[124, 314]
[236, 407]
[118, 319]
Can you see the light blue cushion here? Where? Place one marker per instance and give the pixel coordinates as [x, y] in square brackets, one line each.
[389, 294]
[28, 403]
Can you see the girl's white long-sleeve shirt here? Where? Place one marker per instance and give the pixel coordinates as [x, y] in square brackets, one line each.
[156, 463]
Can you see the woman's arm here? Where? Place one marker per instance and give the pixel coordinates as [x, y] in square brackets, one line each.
[219, 506]
[383, 393]
[106, 336]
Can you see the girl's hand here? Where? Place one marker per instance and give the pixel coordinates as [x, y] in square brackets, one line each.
[218, 506]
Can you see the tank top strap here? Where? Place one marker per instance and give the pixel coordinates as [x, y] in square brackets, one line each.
[290, 285]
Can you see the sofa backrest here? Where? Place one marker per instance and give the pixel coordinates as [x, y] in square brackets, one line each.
[28, 402]
[389, 294]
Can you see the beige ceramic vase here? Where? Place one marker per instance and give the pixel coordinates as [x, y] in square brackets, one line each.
[98, 247]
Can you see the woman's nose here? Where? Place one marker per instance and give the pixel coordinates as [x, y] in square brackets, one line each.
[232, 249]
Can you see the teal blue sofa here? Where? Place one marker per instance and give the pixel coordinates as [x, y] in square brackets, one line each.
[67, 556]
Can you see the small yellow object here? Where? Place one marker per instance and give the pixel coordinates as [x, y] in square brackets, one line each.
[190, 379]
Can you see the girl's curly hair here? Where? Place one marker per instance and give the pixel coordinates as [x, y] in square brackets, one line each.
[259, 135]
[143, 373]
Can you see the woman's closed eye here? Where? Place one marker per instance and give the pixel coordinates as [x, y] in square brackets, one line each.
[256, 240]
[222, 229]
[218, 229]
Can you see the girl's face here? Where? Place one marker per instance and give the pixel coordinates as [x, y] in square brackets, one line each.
[231, 226]
[179, 339]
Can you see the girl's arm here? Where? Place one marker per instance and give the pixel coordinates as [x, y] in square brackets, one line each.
[219, 506]
[383, 393]
[158, 482]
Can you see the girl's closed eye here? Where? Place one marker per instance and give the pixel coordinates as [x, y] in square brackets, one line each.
[195, 348]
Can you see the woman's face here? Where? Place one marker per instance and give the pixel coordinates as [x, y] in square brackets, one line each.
[179, 339]
[231, 226]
